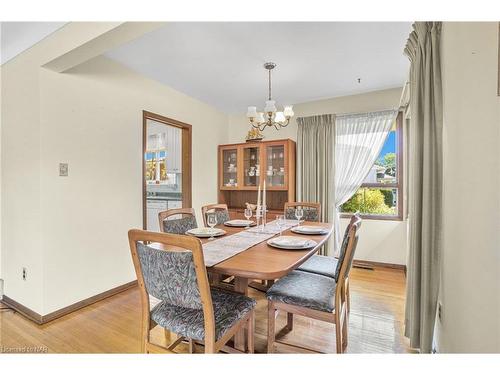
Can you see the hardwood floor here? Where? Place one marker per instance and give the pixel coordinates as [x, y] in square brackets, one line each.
[113, 325]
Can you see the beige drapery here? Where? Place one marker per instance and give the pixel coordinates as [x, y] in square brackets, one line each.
[425, 184]
[315, 164]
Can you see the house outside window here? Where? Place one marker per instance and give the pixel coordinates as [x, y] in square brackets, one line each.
[381, 194]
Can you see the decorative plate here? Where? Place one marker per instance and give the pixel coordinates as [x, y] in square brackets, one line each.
[291, 243]
[206, 232]
[309, 229]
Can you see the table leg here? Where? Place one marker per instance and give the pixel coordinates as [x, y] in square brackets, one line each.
[240, 286]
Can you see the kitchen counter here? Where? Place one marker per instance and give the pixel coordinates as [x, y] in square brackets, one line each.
[165, 197]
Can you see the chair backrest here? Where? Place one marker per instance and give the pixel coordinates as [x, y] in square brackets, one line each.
[177, 225]
[221, 212]
[348, 248]
[312, 210]
[171, 268]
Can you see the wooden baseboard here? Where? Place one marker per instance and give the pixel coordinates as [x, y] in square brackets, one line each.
[41, 319]
[369, 264]
[21, 309]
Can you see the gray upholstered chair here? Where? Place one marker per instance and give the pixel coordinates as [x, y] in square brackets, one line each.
[327, 266]
[177, 221]
[221, 213]
[171, 269]
[315, 296]
[312, 211]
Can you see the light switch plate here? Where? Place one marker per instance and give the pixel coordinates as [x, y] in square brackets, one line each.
[63, 169]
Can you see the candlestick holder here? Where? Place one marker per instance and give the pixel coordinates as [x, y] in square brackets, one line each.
[258, 214]
[264, 216]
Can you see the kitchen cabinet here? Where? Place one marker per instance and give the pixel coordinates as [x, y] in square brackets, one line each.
[153, 208]
[174, 149]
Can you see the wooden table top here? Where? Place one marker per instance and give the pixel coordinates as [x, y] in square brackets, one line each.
[264, 262]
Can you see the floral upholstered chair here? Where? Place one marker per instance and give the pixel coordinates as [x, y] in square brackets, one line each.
[312, 211]
[177, 221]
[329, 266]
[315, 295]
[220, 210]
[171, 271]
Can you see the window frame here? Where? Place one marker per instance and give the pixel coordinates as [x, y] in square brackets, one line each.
[398, 185]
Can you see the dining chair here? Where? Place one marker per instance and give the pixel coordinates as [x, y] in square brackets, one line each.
[221, 212]
[327, 265]
[312, 210]
[170, 222]
[171, 270]
[315, 296]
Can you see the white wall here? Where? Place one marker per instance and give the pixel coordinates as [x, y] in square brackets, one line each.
[380, 240]
[91, 118]
[470, 292]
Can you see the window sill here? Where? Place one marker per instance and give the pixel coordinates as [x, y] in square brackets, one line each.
[373, 217]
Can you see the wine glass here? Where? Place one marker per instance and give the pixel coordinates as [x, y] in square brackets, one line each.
[280, 222]
[248, 215]
[212, 222]
[299, 213]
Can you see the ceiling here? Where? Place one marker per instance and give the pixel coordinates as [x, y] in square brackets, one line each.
[220, 63]
[17, 37]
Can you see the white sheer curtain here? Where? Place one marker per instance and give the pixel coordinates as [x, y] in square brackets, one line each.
[358, 141]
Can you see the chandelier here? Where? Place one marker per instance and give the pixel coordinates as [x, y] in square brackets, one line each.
[270, 116]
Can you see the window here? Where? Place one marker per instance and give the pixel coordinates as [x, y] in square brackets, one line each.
[380, 195]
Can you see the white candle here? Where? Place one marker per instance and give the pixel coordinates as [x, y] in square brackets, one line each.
[258, 198]
[264, 202]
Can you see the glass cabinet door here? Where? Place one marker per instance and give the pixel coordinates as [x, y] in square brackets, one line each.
[275, 164]
[251, 165]
[230, 168]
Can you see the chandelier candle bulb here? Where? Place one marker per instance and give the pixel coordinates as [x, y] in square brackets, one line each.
[270, 106]
[252, 112]
[280, 117]
[288, 112]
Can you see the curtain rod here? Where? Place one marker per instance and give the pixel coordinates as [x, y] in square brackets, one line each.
[355, 113]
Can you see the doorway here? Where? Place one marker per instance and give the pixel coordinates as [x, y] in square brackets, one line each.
[166, 167]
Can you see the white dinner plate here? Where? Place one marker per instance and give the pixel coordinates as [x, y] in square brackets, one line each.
[239, 223]
[206, 232]
[291, 243]
[309, 229]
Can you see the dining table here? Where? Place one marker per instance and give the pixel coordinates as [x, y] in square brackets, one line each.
[264, 262]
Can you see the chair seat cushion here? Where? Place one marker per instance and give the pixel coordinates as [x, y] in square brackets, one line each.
[305, 289]
[229, 308]
[321, 265]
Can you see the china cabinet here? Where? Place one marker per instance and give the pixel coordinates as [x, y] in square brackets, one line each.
[243, 166]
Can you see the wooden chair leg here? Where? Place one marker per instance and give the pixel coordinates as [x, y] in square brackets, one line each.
[345, 327]
[250, 333]
[338, 334]
[209, 348]
[348, 297]
[191, 346]
[289, 321]
[168, 336]
[271, 320]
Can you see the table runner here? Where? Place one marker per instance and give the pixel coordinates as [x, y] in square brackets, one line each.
[226, 247]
